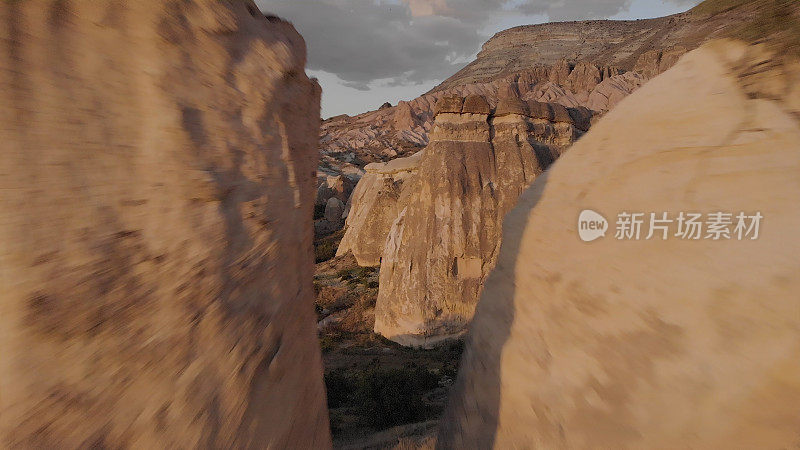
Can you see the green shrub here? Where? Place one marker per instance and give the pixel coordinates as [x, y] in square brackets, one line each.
[456, 346]
[327, 343]
[325, 250]
[357, 275]
[382, 397]
[386, 398]
[345, 274]
[319, 211]
[339, 386]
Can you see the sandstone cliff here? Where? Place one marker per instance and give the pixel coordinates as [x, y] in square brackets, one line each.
[444, 238]
[156, 189]
[650, 343]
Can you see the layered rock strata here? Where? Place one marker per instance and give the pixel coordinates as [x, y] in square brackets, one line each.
[444, 240]
[389, 133]
[651, 343]
[156, 193]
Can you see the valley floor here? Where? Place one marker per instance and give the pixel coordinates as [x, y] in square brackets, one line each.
[380, 394]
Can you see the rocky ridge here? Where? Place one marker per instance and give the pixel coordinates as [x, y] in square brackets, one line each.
[388, 133]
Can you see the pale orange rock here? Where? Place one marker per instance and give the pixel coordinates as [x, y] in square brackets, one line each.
[156, 194]
[650, 343]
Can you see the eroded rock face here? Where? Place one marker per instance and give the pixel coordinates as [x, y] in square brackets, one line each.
[608, 93]
[374, 207]
[446, 234]
[651, 343]
[155, 209]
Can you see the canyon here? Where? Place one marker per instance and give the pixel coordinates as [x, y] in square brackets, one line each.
[427, 293]
[558, 74]
[192, 258]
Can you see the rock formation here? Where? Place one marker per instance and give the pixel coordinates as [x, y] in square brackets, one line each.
[374, 207]
[334, 186]
[445, 235]
[659, 343]
[332, 194]
[156, 193]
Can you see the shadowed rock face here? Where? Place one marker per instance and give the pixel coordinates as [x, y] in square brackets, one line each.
[156, 194]
[445, 236]
[651, 343]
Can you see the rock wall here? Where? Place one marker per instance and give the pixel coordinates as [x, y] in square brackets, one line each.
[659, 343]
[156, 194]
[444, 240]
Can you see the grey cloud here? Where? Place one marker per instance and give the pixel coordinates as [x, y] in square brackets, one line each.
[359, 86]
[409, 41]
[576, 9]
[361, 40]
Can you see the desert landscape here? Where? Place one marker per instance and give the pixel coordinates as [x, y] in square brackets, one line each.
[581, 238]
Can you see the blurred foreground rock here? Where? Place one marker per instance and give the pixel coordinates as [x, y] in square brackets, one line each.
[651, 343]
[156, 194]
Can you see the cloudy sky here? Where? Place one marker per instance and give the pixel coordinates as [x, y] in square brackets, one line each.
[367, 52]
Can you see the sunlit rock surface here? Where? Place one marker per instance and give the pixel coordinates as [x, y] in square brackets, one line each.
[651, 343]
